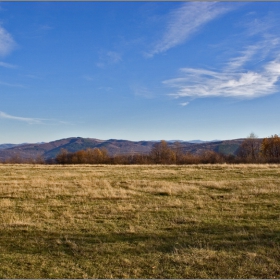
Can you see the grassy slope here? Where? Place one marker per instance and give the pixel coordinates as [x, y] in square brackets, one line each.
[211, 221]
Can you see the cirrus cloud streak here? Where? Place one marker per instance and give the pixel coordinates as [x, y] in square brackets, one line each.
[7, 65]
[185, 21]
[39, 121]
[197, 83]
[22, 119]
[7, 43]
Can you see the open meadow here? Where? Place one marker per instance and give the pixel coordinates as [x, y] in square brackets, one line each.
[140, 221]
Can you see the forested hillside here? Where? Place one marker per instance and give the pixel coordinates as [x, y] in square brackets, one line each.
[113, 147]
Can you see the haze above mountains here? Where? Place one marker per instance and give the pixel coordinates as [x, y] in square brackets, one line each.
[49, 150]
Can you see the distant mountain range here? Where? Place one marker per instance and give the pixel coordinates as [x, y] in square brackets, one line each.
[113, 146]
[6, 146]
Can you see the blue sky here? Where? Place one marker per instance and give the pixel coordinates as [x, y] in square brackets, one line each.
[139, 70]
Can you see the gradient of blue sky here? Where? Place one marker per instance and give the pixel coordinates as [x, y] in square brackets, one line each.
[139, 70]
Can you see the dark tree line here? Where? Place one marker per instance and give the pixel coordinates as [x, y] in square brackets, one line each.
[161, 153]
[88, 156]
[252, 150]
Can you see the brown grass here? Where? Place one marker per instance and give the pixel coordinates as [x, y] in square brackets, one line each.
[101, 221]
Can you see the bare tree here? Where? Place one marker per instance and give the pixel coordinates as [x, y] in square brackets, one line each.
[270, 148]
[162, 154]
[62, 157]
[178, 151]
[249, 149]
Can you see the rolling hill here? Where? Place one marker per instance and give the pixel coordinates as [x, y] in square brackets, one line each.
[113, 146]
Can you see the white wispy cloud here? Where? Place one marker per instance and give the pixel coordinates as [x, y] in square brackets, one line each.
[252, 72]
[184, 104]
[7, 43]
[261, 25]
[22, 119]
[108, 57]
[114, 57]
[204, 83]
[185, 21]
[258, 51]
[4, 115]
[142, 91]
[245, 56]
[7, 65]
[12, 85]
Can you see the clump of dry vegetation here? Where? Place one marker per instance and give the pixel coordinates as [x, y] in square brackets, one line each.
[140, 221]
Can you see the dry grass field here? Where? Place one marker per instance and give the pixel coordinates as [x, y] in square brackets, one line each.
[102, 221]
